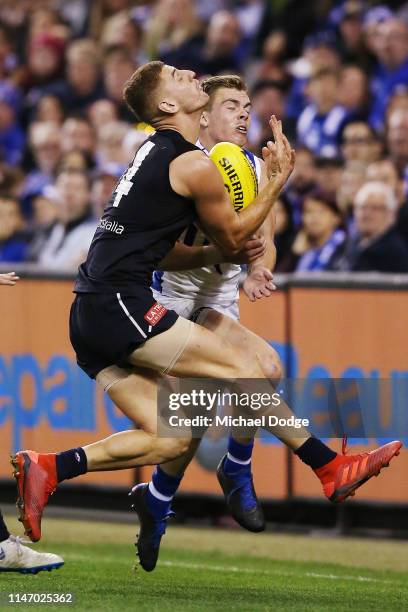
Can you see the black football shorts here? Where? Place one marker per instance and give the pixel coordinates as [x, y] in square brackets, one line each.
[106, 328]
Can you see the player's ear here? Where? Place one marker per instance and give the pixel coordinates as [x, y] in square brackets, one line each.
[169, 106]
[204, 119]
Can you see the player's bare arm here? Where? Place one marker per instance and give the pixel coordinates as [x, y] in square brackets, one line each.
[183, 257]
[194, 175]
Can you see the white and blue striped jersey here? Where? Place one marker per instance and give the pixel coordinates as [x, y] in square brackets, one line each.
[218, 283]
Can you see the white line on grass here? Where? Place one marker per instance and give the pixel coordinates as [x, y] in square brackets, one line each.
[233, 569]
[247, 570]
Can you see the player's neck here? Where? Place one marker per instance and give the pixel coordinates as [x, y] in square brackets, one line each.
[206, 140]
[187, 125]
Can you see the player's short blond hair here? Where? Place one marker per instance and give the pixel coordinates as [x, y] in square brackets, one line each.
[230, 81]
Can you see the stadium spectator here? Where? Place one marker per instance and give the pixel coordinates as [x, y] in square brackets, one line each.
[45, 61]
[371, 26]
[12, 139]
[268, 98]
[118, 67]
[76, 159]
[377, 245]
[84, 83]
[49, 108]
[397, 139]
[392, 69]
[328, 175]
[353, 177]
[43, 19]
[320, 52]
[103, 184]
[219, 51]
[398, 101]
[44, 217]
[172, 30]
[76, 14]
[77, 133]
[70, 238]
[110, 148]
[8, 57]
[101, 112]
[13, 245]
[270, 67]
[353, 90]
[385, 171]
[45, 146]
[11, 181]
[123, 31]
[322, 234]
[359, 143]
[348, 20]
[284, 231]
[302, 180]
[250, 14]
[320, 124]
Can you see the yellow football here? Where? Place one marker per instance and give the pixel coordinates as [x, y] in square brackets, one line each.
[237, 173]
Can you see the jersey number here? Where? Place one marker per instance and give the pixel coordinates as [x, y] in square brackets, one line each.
[125, 183]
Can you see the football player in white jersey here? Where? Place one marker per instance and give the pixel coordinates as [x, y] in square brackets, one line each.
[209, 295]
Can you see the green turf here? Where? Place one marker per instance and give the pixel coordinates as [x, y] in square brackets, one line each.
[223, 573]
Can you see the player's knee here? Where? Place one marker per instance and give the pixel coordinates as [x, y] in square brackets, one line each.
[272, 366]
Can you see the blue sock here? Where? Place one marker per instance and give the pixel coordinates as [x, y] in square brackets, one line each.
[161, 491]
[238, 456]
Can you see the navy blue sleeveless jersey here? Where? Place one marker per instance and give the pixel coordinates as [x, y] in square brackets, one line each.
[141, 222]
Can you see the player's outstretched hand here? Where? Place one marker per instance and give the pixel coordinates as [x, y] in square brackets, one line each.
[279, 157]
[10, 278]
[253, 249]
[259, 284]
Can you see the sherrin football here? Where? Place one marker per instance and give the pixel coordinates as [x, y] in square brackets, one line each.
[237, 173]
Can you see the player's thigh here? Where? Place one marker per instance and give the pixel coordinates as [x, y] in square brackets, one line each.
[236, 334]
[208, 355]
[134, 391]
[188, 350]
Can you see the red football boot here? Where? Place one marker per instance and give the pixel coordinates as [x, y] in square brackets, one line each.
[36, 477]
[346, 473]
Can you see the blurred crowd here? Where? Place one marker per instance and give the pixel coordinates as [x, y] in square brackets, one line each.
[335, 73]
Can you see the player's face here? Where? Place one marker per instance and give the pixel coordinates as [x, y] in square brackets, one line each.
[182, 89]
[228, 118]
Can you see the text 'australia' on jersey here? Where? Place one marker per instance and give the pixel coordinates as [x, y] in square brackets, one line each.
[141, 223]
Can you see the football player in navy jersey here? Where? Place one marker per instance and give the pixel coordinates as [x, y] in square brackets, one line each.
[116, 325]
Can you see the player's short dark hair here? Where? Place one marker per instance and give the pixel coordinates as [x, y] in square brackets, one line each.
[230, 81]
[140, 88]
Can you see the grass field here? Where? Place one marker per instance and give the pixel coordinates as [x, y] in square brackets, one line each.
[208, 569]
